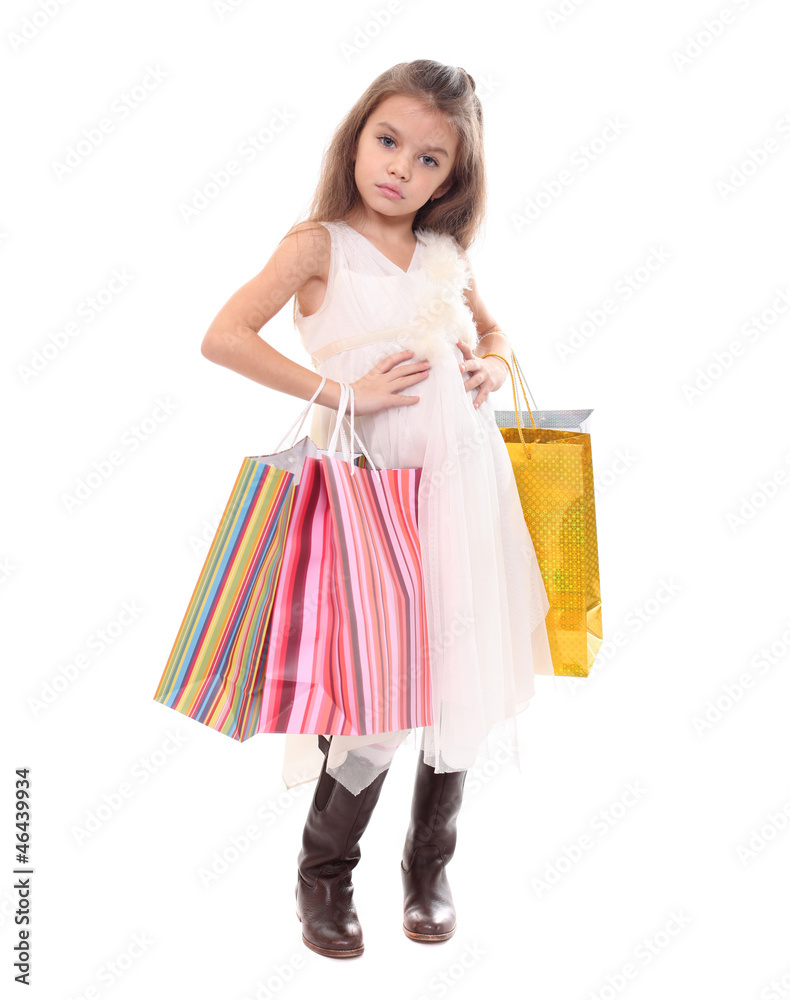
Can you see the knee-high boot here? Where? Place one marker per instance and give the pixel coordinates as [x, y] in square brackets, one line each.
[428, 909]
[330, 850]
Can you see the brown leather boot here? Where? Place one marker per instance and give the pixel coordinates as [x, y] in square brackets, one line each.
[330, 850]
[428, 909]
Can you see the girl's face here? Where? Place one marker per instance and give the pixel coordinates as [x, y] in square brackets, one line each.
[405, 154]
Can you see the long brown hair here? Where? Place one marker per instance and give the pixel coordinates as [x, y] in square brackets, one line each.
[447, 89]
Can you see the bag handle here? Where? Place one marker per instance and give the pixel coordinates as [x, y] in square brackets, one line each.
[346, 392]
[524, 391]
[301, 418]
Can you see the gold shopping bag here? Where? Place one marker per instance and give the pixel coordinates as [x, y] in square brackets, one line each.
[554, 474]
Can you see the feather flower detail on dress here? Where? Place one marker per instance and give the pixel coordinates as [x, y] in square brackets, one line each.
[444, 265]
[442, 314]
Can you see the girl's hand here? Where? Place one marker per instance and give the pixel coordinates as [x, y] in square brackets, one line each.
[382, 387]
[485, 374]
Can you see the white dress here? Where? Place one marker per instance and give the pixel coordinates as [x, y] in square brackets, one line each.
[485, 598]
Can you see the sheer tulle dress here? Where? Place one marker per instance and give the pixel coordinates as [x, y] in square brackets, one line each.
[485, 598]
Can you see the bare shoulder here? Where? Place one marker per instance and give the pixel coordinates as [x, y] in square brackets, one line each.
[305, 252]
[305, 249]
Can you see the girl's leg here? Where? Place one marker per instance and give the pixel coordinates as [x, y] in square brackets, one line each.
[330, 850]
[428, 908]
[363, 764]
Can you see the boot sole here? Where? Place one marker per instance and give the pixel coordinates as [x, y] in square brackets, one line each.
[329, 952]
[427, 938]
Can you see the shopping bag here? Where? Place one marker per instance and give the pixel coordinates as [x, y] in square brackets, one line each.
[309, 612]
[552, 465]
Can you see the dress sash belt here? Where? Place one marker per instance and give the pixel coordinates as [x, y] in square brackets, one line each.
[360, 340]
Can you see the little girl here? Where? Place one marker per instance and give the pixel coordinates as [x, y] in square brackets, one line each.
[379, 275]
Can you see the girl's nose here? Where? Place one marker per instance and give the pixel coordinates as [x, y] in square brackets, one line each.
[400, 168]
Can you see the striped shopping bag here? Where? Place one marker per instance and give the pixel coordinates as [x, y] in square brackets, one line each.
[309, 612]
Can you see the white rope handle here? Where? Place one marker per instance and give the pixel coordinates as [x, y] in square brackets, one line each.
[345, 446]
[301, 418]
[346, 392]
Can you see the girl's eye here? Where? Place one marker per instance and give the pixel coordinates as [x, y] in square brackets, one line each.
[382, 138]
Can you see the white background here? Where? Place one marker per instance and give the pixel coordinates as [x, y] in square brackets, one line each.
[671, 866]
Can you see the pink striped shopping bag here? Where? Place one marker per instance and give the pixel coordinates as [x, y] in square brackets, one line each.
[309, 612]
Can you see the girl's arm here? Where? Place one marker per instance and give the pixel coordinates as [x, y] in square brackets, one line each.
[232, 338]
[496, 369]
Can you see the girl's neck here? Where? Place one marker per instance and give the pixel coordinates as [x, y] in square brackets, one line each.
[392, 232]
